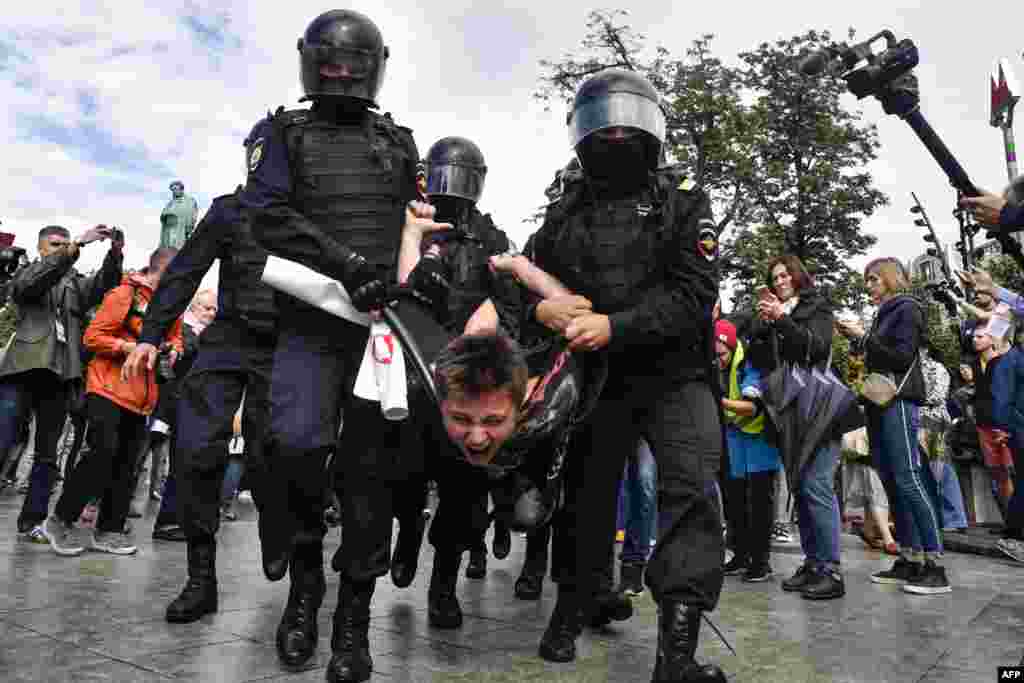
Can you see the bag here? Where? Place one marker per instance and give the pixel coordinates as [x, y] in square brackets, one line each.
[881, 389]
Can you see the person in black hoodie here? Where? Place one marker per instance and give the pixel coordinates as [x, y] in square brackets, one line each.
[892, 346]
[800, 319]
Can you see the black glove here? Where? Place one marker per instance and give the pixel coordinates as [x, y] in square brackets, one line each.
[372, 296]
[364, 286]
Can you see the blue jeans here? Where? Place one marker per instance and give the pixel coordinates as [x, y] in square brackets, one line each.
[951, 499]
[892, 434]
[639, 504]
[818, 509]
[232, 475]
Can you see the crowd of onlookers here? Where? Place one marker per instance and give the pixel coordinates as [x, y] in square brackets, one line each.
[63, 395]
[69, 420]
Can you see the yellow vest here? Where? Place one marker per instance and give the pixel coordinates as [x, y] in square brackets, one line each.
[749, 425]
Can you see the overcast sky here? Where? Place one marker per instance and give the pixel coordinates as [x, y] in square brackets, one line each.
[106, 102]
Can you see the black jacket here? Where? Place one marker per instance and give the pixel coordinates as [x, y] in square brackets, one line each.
[662, 330]
[242, 297]
[804, 336]
[894, 342]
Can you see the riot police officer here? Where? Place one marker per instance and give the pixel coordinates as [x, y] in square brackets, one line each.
[477, 300]
[329, 187]
[235, 357]
[638, 242]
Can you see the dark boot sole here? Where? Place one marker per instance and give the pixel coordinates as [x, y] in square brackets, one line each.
[189, 617]
[550, 655]
[445, 623]
[823, 596]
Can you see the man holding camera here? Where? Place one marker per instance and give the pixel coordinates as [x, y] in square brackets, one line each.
[43, 362]
[117, 412]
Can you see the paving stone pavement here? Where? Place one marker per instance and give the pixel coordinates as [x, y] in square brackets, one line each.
[100, 618]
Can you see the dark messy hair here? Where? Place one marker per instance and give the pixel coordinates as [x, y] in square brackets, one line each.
[50, 230]
[472, 365]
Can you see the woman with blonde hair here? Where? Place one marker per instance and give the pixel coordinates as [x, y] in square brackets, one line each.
[892, 347]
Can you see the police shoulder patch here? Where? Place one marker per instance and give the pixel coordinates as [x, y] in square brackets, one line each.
[255, 154]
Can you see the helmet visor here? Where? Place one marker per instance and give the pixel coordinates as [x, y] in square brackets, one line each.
[618, 109]
[337, 62]
[452, 180]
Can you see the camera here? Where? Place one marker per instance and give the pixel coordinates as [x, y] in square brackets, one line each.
[165, 365]
[11, 257]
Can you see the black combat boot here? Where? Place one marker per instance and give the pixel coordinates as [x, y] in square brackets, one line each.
[678, 630]
[608, 604]
[200, 594]
[530, 583]
[350, 642]
[406, 557]
[444, 610]
[558, 644]
[297, 633]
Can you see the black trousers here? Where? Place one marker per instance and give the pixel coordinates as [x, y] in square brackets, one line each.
[315, 366]
[107, 472]
[682, 426]
[231, 362]
[45, 394]
[750, 510]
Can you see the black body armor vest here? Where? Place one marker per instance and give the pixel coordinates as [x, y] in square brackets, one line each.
[243, 294]
[350, 179]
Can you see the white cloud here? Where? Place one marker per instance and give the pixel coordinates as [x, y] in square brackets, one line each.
[174, 106]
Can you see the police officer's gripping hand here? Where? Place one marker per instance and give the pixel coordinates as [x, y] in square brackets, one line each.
[986, 208]
[557, 312]
[419, 219]
[142, 358]
[589, 332]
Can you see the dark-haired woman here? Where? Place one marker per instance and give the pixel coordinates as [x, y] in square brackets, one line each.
[797, 320]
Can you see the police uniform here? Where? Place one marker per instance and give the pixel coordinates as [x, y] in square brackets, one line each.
[328, 188]
[642, 247]
[235, 357]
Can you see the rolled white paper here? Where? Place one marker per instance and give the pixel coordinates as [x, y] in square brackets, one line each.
[312, 287]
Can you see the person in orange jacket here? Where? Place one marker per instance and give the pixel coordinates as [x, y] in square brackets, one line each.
[117, 409]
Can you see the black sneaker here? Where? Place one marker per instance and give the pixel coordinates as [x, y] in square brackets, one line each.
[477, 567]
[801, 578]
[737, 565]
[930, 580]
[758, 572]
[825, 585]
[901, 572]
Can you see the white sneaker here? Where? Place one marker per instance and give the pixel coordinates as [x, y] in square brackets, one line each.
[61, 537]
[113, 543]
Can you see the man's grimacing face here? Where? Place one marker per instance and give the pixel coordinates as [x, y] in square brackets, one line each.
[480, 425]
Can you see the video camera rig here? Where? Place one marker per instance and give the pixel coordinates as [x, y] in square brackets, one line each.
[11, 257]
[888, 77]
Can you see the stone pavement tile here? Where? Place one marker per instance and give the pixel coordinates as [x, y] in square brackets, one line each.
[129, 640]
[944, 674]
[239, 660]
[595, 662]
[41, 658]
[982, 654]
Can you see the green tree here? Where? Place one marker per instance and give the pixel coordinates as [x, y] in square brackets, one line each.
[939, 326]
[706, 121]
[808, 186]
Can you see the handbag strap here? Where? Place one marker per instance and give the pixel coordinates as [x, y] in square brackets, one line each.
[909, 370]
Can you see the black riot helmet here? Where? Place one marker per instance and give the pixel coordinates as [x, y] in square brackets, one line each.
[342, 55]
[616, 98]
[455, 168]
